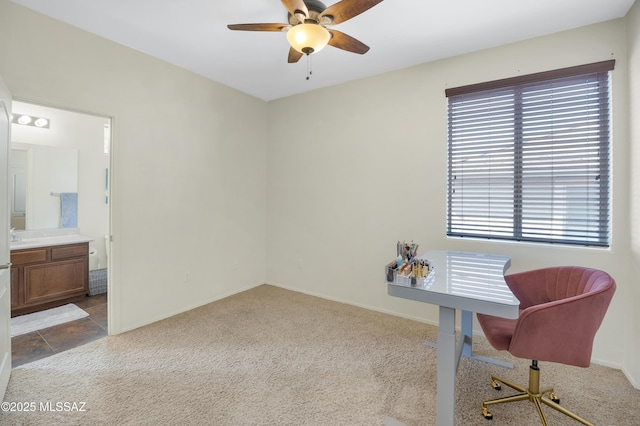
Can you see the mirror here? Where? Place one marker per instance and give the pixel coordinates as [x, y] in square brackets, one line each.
[59, 151]
[44, 186]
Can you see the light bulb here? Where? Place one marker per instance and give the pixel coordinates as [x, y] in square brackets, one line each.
[308, 38]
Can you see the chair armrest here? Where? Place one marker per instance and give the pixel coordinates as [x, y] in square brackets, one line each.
[528, 287]
[559, 331]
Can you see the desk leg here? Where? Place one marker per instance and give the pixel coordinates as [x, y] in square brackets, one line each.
[467, 333]
[446, 381]
[467, 342]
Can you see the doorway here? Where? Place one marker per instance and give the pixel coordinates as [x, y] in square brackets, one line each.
[60, 152]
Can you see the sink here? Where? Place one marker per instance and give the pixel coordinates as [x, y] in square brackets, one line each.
[48, 241]
[24, 243]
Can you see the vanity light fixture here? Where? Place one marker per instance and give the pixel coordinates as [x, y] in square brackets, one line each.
[41, 122]
[29, 120]
[24, 119]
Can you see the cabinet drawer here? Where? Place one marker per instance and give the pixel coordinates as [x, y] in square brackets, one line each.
[65, 252]
[22, 257]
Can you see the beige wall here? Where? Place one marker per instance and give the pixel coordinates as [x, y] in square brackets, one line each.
[188, 195]
[633, 40]
[369, 168]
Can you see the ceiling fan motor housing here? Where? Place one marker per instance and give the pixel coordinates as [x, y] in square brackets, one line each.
[315, 8]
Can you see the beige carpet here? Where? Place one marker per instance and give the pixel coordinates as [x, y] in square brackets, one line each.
[269, 356]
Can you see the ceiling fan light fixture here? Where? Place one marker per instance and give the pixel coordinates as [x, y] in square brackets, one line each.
[308, 38]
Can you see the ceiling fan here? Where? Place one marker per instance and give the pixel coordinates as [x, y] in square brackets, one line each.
[307, 30]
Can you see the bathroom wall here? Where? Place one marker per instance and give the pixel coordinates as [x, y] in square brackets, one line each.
[85, 133]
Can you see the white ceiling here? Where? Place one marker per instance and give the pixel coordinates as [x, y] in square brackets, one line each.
[193, 34]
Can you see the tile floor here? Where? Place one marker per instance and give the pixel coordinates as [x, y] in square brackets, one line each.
[43, 343]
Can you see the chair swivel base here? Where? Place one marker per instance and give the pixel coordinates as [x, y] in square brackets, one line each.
[533, 394]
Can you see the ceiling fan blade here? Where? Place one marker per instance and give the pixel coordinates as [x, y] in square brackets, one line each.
[347, 9]
[258, 27]
[297, 8]
[294, 55]
[346, 42]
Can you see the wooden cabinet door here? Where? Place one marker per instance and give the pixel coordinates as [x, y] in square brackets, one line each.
[55, 280]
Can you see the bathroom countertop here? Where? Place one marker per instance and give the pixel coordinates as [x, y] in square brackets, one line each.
[48, 241]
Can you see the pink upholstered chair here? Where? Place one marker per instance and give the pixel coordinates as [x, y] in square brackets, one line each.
[561, 308]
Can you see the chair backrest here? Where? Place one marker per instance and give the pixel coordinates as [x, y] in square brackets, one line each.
[561, 311]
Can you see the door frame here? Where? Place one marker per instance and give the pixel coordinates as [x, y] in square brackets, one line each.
[109, 192]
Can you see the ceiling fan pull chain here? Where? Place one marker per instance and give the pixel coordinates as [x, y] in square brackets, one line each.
[309, 72]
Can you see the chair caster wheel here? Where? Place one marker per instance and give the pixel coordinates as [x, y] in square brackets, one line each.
[496, 385]
[486, 414]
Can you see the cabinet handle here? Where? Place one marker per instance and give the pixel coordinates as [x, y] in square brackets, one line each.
[7, 266]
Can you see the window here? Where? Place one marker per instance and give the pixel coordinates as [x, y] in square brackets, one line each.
[529, 157]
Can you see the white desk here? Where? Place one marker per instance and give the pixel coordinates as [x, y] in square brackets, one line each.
[471, 282]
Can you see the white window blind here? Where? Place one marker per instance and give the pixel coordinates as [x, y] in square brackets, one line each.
[529, 157]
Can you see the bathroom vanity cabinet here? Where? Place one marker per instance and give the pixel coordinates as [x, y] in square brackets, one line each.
[45, 277]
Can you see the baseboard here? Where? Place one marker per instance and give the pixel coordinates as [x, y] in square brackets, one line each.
[188, 308]
[476, 332]
[358, 305]
[630, 378]
[626, 373]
